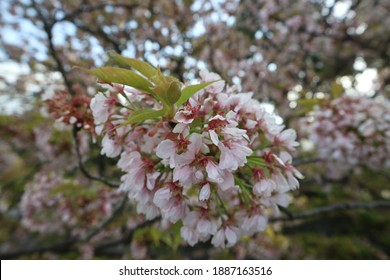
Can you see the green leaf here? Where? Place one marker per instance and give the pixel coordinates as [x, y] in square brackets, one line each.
[336, 90]
[309, 102]
[143, 67]
[254, 161]
[189, 91]
[308, 105]
[196, 124]
[155, 236]
[171, 236]
[143, 115]
[121, 76]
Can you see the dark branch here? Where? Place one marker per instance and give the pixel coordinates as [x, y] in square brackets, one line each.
[66, 246]
[83, 168]
[301, 161]
[100, 33]
[48, 25]
[55, 248]
[92, 8]
[332, 208]
[107, 221]
[128, 237]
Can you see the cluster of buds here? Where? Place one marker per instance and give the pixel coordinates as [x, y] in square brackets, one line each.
[71, 110]
[53, 205]
[203, 155]
[351, 131]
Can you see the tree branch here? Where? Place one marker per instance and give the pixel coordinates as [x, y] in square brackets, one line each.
[65, 246]
[91, 8]
[107, 221]
[128, 237]
[100, 33]
[332, 208]
[302, 161]
[58, 247]
[83, 168]
[47, 26]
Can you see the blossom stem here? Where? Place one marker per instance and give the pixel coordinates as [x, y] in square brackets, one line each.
[244, 187]
[220, 203]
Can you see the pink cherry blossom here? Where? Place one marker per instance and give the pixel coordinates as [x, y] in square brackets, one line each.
[254, 222]
[216, 87]
[233, 154]
[287, 139]
[110, 147]
[205, 192]
[214, 172]
[170, 202]
[226, 236]
[167, 150]
[204, 172]
[99, 108]
[361, 137]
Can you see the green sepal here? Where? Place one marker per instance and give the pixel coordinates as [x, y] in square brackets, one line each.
[253, 161]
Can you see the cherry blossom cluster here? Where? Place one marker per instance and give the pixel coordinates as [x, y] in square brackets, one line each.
[71, 110]
[54, 205]
[351, 131]
[220, 165]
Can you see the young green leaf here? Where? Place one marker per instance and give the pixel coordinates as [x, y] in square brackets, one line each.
[308, 105]
[336, 90]
[121, 76]
[189, 91]
[143, 67]
[143, 115]
[309, 102]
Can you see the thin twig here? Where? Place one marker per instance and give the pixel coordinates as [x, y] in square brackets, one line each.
[100, 33]
[55, 248]
[128, 237]
[301, 161]
[83, 168]
[47, 26]
[107, 221]
[332, 208]
[92, 8]
[66, 246]
[385, 174]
